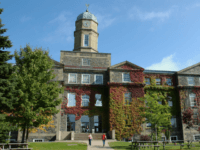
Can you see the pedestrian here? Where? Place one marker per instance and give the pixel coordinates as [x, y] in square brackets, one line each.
[90, 138]
[103, 138]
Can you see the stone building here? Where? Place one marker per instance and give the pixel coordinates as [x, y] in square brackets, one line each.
[88, 78]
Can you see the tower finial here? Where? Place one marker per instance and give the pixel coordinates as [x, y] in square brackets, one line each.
[87, 5]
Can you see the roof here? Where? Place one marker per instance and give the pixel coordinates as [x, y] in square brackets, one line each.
[188, 68]
[87, 15]
[159, 71]
[125, 63]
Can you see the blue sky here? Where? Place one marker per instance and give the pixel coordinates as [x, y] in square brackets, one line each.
[153, 34]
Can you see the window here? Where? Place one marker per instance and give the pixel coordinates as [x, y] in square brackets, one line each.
[147, 124]
[173, 138]
[169, 81]
[160, 102]
[158, 81]
[85, 62]
[127, 98]
[147, 81]
[170, 103]
[192, 100]
[38, 140]
[195, 115]
[86, 78]
[127, 121]
[85, 100]
[173, 122]
[72, 78]
[98, 79]
[98, 100]
[126, 77]
[71, 122]
[190, 81]
[71, 100]
[197, 137]
[86, 40]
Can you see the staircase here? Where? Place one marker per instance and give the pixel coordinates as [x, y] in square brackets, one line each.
[84, 136]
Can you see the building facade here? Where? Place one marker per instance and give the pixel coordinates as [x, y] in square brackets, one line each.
[90, 81]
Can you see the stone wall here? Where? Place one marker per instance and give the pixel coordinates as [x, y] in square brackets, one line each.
[116, 76]
[183, 80]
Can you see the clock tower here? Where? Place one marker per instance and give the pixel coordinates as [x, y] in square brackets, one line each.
[86, 35]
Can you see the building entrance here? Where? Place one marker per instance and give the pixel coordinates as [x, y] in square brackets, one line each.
[85, 124]
[98, 124]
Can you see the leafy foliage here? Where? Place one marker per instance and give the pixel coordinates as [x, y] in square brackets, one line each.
[145, 138]
[188, 117]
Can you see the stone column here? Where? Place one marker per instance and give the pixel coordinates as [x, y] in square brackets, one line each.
[113, 134]
[91, 123]
[72, 135]
[78, 126]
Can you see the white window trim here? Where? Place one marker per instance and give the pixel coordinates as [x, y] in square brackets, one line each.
[171, 81]
[84, 40]
[87, 60]
[68, 99]
[192, 95]
[69, 78]
[195, 135]
[82, 100]
[159, 82]
[174, 136]
[82, 79]
[149, 81]
[38, 139]
[192, 79]
[123, 77]
[95, 78]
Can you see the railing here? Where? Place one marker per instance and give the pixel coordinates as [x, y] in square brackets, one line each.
[18, 144]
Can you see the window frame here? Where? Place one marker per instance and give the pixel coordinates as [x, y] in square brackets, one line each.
[192, 95]
[68, 99]
[95, 78]
[149, 81]
[158, 82]
[169, 100]
[123, 76]
[96, 101]
[88, 61]
[195, 135]
[188, 78]
[174, 136]
[69, 78]
[170, 81]
[85, 40]
[82, 78]
[125, 99]
[85, 99]
[173, 117]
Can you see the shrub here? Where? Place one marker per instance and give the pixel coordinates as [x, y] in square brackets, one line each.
[145, 138]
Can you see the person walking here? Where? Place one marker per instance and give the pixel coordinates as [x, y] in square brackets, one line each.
[103, 138]
[90, 139]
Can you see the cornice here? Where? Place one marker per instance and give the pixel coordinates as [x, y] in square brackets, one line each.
[86, 48]
[82, 29]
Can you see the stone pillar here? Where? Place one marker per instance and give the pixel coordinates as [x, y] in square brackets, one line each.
[58, 135]
[78, 126]
[113, 134]
[91, 123]
[72, 135]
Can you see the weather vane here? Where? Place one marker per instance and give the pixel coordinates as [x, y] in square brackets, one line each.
[87, 5]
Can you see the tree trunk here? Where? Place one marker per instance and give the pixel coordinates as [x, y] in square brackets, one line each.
[23, 134]
[27, 134]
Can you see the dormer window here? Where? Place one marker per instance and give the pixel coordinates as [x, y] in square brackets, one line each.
[86, 40]
[126, 77]
[190, 81]
[86, 62]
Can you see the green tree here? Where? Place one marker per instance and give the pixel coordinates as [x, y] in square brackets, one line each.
[7, 86]
[40, 93]
[158, 114]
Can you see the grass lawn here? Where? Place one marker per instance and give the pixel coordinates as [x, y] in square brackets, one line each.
[125, 146]
[58, 146]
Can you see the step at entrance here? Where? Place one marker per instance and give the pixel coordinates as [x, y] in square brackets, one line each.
[84, 136]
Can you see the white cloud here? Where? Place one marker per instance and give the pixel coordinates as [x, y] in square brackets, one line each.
[167, 63]
[135, 13]
[24, 19]
[64, 30]
[193, 6]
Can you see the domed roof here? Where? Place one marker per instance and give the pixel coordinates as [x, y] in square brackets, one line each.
[87, 15]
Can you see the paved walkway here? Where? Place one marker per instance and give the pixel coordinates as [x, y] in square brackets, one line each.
[95, 144]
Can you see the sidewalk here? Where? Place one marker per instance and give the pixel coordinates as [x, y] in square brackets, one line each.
[95, 144]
